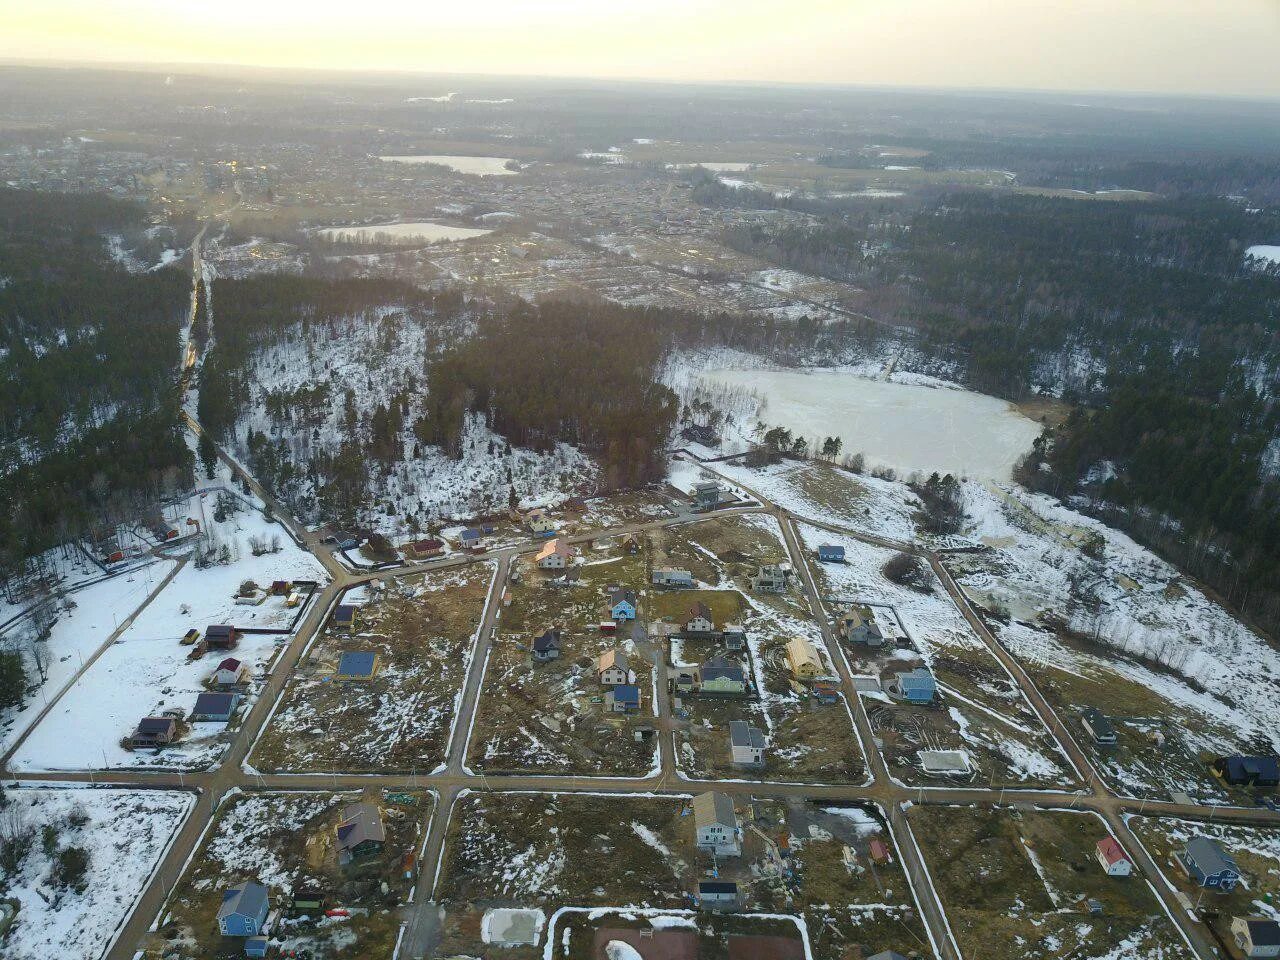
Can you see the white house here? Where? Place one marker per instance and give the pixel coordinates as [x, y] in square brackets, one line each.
[716, 824]
[554, 555]
[746, 745]
[1113, 858]
[612, 668]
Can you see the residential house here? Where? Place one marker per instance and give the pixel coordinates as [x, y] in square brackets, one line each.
[229, 673]
[1113, 858]
[722, 676]
[554, 555]
[244, 910]
[771, 578]
[470, 537]
[631, 546]
[612, 668]
[1209, 865]
[357, 665]
[546, 647]
[622, 604]
[715, 824]
[281, 588]
[803, 660]
[624, 698]
[916, 686]
[746, 745]
[540, 523]
[830, 553]
[707, 495]
[671, 577]
[153, 732]
[1256, 936]
[700, 619]
[221, 636]
[424, 549]
[717, 895]
[1248, 771]
[1098, 727]
[734, 636]
[344, 617]
[215, 707]
[360, 833]
[879, 852]
[857, 628]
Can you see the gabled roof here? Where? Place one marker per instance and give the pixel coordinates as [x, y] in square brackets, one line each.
[231, 663]
[618, 594]
[700, 609]
[357, 663]
[1209, 857]
[215, 703]
[612, 658]
[720, 668]
[917, 679]
[152, 725]
[1111, 851]
[626, 693]
[547, 641]
[1098, 722]
[717, 886]
[1263, 932]
[219, 630]
[551, 548]
[712, 808]
[344, 613]
[248, 899]
[360, 822]
[743, 734]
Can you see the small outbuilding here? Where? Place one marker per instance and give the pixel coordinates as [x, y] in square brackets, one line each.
[830, 553]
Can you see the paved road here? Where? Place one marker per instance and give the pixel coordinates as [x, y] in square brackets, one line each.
[422, 919]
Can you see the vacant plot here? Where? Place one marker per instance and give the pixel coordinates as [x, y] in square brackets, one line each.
[288, 842]
[422, 630]
[553, 716]
[1016, 885]
[1256, 851]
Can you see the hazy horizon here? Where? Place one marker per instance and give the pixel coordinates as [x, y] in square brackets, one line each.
[1176, 48]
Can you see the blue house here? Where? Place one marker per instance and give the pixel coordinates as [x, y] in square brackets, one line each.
[1209, 865]
[1248, 771]
[830, 553]
[470, 536]
[624, 698]
[244, 910]
[917, 686]
[215, 706]
[622, 604]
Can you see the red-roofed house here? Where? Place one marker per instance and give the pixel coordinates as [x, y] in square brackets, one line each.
[1113, 858]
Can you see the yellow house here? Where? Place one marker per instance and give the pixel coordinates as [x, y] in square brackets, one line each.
[803, 659]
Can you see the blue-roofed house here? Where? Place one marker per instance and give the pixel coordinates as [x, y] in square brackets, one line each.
[723, 676]
[622, 604]
[215, 706]
[830, 553]
[344, 616]
[357, 665]
[470, 536]
[917, 686]
[244, 910]
[1208, 864]
[624, 698]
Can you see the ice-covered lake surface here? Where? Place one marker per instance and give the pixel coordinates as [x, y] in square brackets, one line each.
[478, 166]
[902, 425]
[716, 166]
[424, 230]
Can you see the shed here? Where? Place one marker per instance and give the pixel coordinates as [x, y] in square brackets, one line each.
[255, 946]
[717, 894]
[221, 636]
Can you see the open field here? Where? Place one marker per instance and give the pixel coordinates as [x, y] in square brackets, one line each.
[124, 833]
[1256, 851]
[287, 841]
[551, 717]
[422, 630]
[979, 711]
[1015, 886]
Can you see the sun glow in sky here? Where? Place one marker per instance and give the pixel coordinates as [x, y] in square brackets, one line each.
[1182, 46]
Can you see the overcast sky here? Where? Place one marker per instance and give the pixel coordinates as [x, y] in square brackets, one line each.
[1173, 46]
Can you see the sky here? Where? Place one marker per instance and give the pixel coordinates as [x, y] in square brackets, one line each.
[1215, 47]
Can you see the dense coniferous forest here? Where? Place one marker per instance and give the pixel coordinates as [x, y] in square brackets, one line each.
[88, 353]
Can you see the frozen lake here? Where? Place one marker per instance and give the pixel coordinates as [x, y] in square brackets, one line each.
[478, 166]
[423, 230]
[905, 426]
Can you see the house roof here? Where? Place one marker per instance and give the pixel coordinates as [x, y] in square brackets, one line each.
[551, 548]
[735, 628]
[1098, 722]
[152, 725]
[231, 663]
[700, 609]
[1111, 851]
[215, 704]
[547, 641]
[1263, 932]
[360, 822]
[917, 679]
[743, 734]
[717, 886]
[219, 630]
[1209, 857]
[612, 658]
[618, 594]
[471, 533]
[357, 663]
[344, 613]
[800, 650]
[720, 668]
[626, 693]
[830, 548]
[1264, 768]
[712, 808]
[428, 544]
[248, 899]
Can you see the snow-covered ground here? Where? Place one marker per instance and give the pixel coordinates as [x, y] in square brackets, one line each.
[124, 832]
[146, 671]
[1263, 253]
